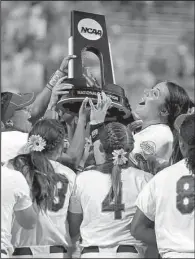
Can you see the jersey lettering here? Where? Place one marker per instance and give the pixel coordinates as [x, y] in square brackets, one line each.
[115, 206]
[185, 201]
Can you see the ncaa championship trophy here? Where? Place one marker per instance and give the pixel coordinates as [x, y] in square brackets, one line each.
[88, 33]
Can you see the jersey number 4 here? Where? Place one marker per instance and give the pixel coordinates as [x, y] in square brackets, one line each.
[115, 206]
[186, 194]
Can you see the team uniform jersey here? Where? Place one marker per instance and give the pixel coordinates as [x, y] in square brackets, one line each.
[11, 143]
[101, 225]
[51, 228]
[168, 199]
[15, 196]
[156, 140]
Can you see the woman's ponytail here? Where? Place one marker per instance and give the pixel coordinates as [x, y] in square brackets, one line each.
[45, 141]
[117, 141]
[115, 181]
[39, 173]
[43, 184]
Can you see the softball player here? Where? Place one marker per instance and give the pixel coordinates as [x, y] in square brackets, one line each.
[50, 237]
[15, 201]
[169, 201]
[158, 111]
[103, 202]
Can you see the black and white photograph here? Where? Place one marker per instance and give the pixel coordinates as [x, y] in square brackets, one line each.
[97, 129]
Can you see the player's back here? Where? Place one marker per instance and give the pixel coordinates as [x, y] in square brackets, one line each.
[103, 223]
[51, 228]
[174, 220]
[15, 195]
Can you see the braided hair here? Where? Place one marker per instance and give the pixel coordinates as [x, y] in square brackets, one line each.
[115, 136]
[36, 167]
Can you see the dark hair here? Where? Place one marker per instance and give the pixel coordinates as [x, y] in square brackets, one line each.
[187, 131]
[37, 165]
[114, 136]
[177, 103]
[52, 132]
[5, 100]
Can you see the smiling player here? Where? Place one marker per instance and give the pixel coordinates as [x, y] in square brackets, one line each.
[158, 110]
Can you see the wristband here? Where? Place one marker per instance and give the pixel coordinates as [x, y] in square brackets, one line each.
[49, 87]
[94, 131]
[55, 77]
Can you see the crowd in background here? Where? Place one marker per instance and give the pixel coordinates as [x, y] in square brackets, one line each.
[78, 167]
[150, 41]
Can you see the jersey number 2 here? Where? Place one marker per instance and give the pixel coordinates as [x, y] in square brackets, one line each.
[186, 194]
[115, 206]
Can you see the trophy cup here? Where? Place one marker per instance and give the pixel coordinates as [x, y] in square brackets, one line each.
[88, 33]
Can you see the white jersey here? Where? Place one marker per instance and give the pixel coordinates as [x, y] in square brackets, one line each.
[168, 199]
[101, 225]
[15, 196]
[156, 140]
[11, 143]
[52, 227]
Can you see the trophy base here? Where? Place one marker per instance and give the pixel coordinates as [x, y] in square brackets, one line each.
[120, 110]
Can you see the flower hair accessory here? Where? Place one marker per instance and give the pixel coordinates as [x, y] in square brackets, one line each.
[119, 157]
[36, 143]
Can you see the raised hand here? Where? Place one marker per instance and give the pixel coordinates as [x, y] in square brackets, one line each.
[99, 111]
[65, 61]
[59, 89]
[84, 110]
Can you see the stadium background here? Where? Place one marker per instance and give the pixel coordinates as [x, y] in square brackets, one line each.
[150, 41]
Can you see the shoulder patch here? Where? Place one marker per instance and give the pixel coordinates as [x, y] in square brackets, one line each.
[148, 147]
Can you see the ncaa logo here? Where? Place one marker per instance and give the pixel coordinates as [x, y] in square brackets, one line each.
[90, 29]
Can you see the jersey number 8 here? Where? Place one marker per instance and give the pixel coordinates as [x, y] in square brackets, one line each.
[185, 194]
